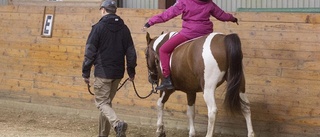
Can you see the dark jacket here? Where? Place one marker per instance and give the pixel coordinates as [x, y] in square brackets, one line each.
[108, 44]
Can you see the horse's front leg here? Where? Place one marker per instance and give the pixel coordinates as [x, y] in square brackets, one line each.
[191, 96]
[247, 114]
[161, 101]
[160, 125]
[212, 110]
[190, 113]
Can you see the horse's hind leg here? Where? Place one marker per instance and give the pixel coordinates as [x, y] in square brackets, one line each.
[247, 114]
[163, 99]
[191, 112]
[208, 96]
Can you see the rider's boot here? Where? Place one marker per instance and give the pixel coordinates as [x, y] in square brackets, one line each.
[166, 84]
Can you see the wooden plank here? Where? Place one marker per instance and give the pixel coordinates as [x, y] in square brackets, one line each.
[284, 81]
[54, 93]
[269, 63]
[20, 16]
[67, 18]
[58, 41]
[274, 17]
[30, 9]
[138, 12]
[280, 45]
[301, 74]
[310, 65]
[76, 10]
[295, 87]
[19, 83]
[71, 33]
[262, 71]
[272, 26]
[280, 36]
[72, 41]
[18, 38]
[280, 54]
[22, 24]
[8, 8]
[30, 64]
[57, 48]
[12, 30]
[13, 74]
[13, 52]
[83, 26]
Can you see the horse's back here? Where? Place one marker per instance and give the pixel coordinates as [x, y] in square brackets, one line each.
[190, 60]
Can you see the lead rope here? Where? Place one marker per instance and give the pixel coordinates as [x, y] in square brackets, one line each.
[88, 85]
[134, 87]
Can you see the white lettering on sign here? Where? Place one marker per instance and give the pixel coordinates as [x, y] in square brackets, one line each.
[47, 28]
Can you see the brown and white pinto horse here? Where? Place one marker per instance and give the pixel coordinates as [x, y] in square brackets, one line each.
[202, 64]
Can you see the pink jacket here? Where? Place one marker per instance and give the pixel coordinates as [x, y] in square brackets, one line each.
[195, 15]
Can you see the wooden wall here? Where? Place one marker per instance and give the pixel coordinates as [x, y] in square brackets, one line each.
[281, 59]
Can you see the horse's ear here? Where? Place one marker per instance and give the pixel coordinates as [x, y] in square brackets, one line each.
[148, 38]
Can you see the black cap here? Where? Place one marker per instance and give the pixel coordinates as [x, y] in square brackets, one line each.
[108, 4]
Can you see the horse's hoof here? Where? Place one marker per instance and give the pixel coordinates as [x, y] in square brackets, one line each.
[162, 134]
[251, 134]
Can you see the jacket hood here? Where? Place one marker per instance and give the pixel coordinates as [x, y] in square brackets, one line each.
[113, 22]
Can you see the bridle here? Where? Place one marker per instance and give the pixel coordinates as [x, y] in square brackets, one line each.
[151, 73]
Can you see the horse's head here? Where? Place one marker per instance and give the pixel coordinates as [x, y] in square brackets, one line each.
[152, 61]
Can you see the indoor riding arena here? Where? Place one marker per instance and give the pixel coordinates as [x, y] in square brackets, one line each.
[42, 92]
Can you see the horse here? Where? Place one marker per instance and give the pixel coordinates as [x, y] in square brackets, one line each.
[201, 65]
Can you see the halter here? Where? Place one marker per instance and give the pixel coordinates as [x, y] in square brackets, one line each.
[150, 72]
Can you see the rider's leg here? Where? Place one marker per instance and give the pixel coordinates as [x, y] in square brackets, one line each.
[165, 53]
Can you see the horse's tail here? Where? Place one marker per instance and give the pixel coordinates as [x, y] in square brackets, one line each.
[235, 74]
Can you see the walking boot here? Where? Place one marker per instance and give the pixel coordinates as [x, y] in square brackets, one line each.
[121, 129]
[166, 84]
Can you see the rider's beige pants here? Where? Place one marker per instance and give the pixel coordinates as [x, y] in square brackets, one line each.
[105, 90]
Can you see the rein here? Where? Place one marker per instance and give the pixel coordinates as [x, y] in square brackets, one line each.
[134, 87]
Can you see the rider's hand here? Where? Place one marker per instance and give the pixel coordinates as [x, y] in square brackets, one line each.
[144, 29]
[235, 21]
[147, 25]
[86, 80]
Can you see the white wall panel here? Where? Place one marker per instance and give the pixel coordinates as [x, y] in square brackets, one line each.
[3, 2]
[141, 4]
[232, 5]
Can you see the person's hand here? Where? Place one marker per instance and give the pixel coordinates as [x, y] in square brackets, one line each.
[235, 21]
[86, 80]
[144, 29]
[131, 79]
